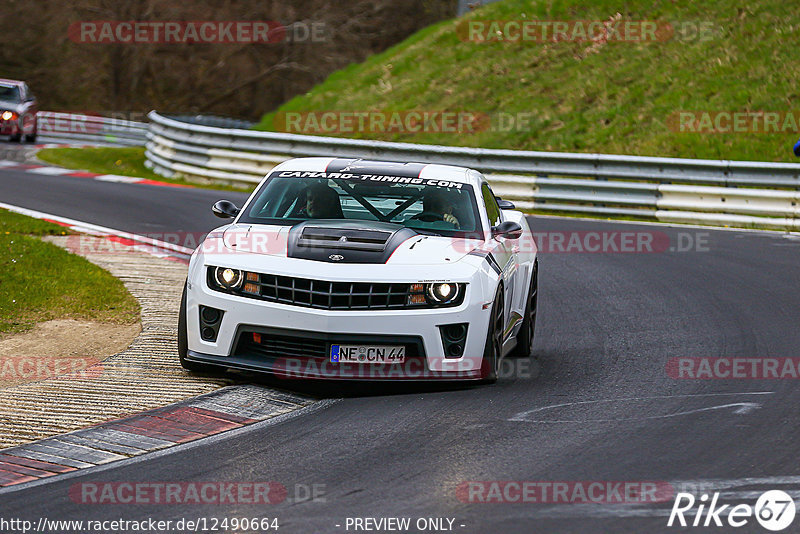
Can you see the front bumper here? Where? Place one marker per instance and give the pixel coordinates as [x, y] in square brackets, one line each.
[287, 327]
[315, 362]
[9, 127]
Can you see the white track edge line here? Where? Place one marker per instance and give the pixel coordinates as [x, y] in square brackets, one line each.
[150, 455]
[97, 228]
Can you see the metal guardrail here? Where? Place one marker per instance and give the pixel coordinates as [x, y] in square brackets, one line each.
[91, 128]
[721, 192]
[213, 120]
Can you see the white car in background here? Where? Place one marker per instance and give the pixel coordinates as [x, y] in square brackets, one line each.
[18, 109]
[353, 269]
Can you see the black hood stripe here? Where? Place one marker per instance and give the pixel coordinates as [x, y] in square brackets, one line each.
[489, 259]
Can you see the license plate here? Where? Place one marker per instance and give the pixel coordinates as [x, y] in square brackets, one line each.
[368, 353]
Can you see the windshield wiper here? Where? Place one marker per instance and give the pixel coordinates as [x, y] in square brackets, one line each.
[422, 231]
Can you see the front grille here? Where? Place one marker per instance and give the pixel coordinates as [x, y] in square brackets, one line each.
[282, 346]
[305, 346]
[332, 295]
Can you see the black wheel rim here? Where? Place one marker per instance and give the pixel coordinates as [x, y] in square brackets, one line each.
[532, 299]
[497, 334]
[531, 308]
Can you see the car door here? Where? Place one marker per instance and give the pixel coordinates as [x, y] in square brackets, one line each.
[504, 252]
[30, 109]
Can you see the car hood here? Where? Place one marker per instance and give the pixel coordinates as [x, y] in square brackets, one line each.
[344, 242]
[7, 105]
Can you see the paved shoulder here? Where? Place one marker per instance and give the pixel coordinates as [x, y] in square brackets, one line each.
[145, 376]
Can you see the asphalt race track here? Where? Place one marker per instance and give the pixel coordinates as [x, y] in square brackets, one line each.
[598, 404]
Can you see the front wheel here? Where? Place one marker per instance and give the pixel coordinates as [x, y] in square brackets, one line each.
[183, 343]
[493, 349]
[31, 137]
[527, 330]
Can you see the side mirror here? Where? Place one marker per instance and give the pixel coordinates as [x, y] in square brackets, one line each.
[505, 204]
[225, 209]
[507, 229]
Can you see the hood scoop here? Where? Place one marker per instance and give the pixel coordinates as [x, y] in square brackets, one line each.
[338, 241]
[344, 239]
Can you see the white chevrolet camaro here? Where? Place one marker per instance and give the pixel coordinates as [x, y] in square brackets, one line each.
[361, 270]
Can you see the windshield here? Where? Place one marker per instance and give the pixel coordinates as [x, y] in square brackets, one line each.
[9, 93]
[436, 206]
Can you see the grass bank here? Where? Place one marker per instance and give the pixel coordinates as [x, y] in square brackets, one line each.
[619, 96]
[122, 161]
[41, 281]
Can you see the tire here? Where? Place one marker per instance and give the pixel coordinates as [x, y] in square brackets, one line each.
[492, 350]
[31, 137]
[527, 331]
[15, 138]
[183, 344]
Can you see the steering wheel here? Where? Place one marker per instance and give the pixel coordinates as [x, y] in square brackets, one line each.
[428, 216]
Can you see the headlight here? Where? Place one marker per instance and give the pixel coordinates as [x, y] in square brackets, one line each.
[436, 294]
[228, 278]
[8, 115]
[441, 293]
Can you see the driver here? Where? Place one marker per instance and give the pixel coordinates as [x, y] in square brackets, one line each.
[438, 202]
[322, 202]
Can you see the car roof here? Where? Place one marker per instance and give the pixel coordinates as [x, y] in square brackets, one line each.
[11, 82]
[383, 168]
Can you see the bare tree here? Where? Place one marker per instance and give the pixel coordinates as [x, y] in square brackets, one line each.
[238, 79]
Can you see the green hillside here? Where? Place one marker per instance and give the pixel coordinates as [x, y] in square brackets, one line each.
[619, 96]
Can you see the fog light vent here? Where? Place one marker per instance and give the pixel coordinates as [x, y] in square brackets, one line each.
[210, 320]
[454, 337]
